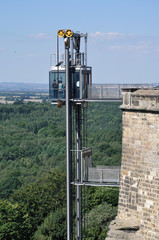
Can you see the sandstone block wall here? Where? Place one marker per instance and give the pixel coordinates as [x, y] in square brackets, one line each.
[139, 184]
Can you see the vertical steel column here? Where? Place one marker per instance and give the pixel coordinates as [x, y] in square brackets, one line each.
[57, 50]
[68, 143]
[86, 49]
[58, 66]
[78, 173]
[72, 53]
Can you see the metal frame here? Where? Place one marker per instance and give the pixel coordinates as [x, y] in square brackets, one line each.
[85, 152]
[78, 113]
[78, 106]
[68, 147]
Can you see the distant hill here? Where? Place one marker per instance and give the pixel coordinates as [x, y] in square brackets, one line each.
[31, 87]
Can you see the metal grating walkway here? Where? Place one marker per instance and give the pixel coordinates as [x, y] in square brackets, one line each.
[101, 176]
[111, 91]
[104, 174]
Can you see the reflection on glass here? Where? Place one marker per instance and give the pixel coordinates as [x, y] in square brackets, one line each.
[57, 85]
[78, 88]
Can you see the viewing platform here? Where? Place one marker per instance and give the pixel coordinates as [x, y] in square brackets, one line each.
[97, 92]
[102, 176]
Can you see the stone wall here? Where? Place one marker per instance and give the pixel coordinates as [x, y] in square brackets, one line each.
[139, 183]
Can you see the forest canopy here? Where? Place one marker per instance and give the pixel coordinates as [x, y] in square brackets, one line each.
[32, 169]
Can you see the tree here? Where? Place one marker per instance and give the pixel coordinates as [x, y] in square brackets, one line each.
[9, 183]
[97, 195]
[14, 222]
[99, 219]
[41, 197]
[53, 227]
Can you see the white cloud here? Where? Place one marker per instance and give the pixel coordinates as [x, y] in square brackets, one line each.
[143, 45]
[115, 41]
[40, 36]
[109, 35]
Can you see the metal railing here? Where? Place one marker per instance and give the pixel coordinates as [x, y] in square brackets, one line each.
[53, 59]
[104, 174]
[77, 59]
[112, 91]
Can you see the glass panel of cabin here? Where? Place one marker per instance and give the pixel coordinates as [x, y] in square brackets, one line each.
[57, 85]
[76, 85]
[86, 75]
[86, 163]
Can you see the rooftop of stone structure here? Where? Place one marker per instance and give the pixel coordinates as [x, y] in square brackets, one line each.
[146, 92]
[141, 99]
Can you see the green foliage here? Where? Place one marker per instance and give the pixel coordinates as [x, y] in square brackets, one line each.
[53, 227]
[41, 197]
[9, 182]
[104, 133]
[18, 102]
[32, 166]
[14, 222]
[32, 140]
[99, 219]
[98, 195]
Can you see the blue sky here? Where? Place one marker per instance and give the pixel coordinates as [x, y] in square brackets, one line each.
[123, 38]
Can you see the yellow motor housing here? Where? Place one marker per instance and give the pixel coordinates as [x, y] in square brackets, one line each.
[60, 33]
[68, 33]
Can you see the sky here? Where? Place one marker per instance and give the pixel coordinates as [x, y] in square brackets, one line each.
[123, 38]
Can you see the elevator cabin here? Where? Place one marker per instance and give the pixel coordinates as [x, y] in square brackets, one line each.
[80, 74]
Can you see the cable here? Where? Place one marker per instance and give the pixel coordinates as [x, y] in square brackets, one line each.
[57, 67]
[84, 214]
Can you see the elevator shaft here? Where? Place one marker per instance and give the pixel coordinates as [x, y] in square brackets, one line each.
[68, 147]
[78, 170]
[76, 80]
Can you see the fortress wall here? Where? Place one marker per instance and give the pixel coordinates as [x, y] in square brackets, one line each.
[138, 210]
